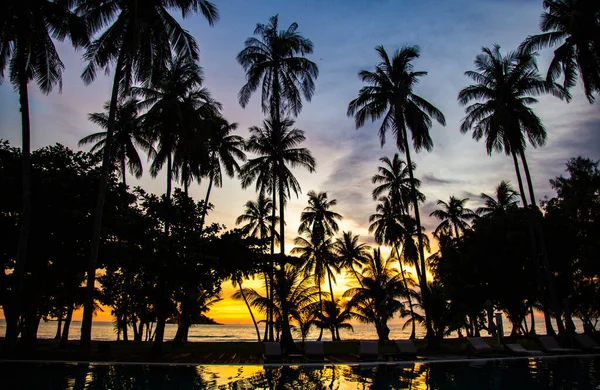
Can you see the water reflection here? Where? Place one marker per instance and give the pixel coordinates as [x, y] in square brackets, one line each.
[529, 374]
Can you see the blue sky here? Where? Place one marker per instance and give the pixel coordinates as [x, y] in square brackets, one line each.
[344, 33]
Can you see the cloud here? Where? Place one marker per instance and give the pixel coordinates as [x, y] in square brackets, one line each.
[430, 178]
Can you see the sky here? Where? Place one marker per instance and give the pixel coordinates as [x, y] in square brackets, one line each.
[345, 33]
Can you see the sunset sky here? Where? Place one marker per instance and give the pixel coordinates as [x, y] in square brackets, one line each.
[449, 33]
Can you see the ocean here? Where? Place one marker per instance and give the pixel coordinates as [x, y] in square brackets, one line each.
[245, 332]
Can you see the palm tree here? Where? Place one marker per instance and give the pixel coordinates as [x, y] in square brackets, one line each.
[178, 106]
[506, 198]
[389, 94]
[334, 317]
[317, 216]
[27, 50]
[350, 254]
[293, 292]
[257, 215]
[572, 24]
[129, 134]
[276, 59]
[393, 180]
[138, 45]
[378, 299]
[261, 221]
[276, 147]
[393, 228]
[236, 281]
[506, 85]
[453, 214]
[224, 149]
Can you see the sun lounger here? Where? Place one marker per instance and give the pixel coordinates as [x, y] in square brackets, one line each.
[405, 349]
[519, 350]
[549, 344]
[479, 346]
[368, 351]
[314, 351]
[272, 352]
[586, 342]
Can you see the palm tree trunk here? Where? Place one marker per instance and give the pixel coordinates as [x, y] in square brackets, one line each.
[274, 215]
[410, 305]
[550, 291]
[58, 328]
[330, 285]
[519, 180]
[64, 340]
[456, 231]
[88, 306]
[169, 181]
[423, 278]
[124, 171]
[249, 310]
[267, 294]
[25, 220]
[210, 183]
[321, 308]
[281, 209]
[532, 327]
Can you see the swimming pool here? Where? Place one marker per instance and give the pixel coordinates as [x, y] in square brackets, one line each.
[547, 373]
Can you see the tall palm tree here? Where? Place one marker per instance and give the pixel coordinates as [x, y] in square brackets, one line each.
[318, 217]
[453, 214]
[27, 50]
[178, 106]
[257, 215]
[138, 45]
[504, 199]
[389, 94]
[350, 254]
[393, 179]
[128, 136]
[276, 147]
[506, 86]
[575, 26]
[275, 60]
[224, 149]
[377, 300]
[393, 228]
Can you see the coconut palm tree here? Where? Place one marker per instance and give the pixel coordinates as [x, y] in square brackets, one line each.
[276, 147]
[128, 136]
[293, 292]
[393, 179]
[333, 316]
[138, 45]
[453, 214]
[575, 26]
[350, 254]
[28, 52]
[224, 149]
[236, 281]
[275, 61]
[505, 198]
[393, 228]
[378, 299]
[389, 94]
[506, 86]
[257, 215]
[317, 217]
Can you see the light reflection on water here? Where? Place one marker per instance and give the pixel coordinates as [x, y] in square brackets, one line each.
[531, 374]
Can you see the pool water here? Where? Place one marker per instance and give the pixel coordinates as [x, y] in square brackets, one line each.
[548, 373]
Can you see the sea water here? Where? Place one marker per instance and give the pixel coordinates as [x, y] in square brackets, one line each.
[105, 331]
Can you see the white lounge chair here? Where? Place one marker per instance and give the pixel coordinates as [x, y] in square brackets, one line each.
[314, 351]
[549, 344]
[479, 346]
[272, 352]
[519, 350]
[586, 342]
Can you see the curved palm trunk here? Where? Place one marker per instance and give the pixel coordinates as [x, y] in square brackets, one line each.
[423, 271]
[321, 308]
[519, 180]
[337, 330]
[88, 306]
[532, 327]
[22, 246]
[249, 310]
[210, 183]
[64, 340]
[410, 305]
[58, 328]
[169, 187]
